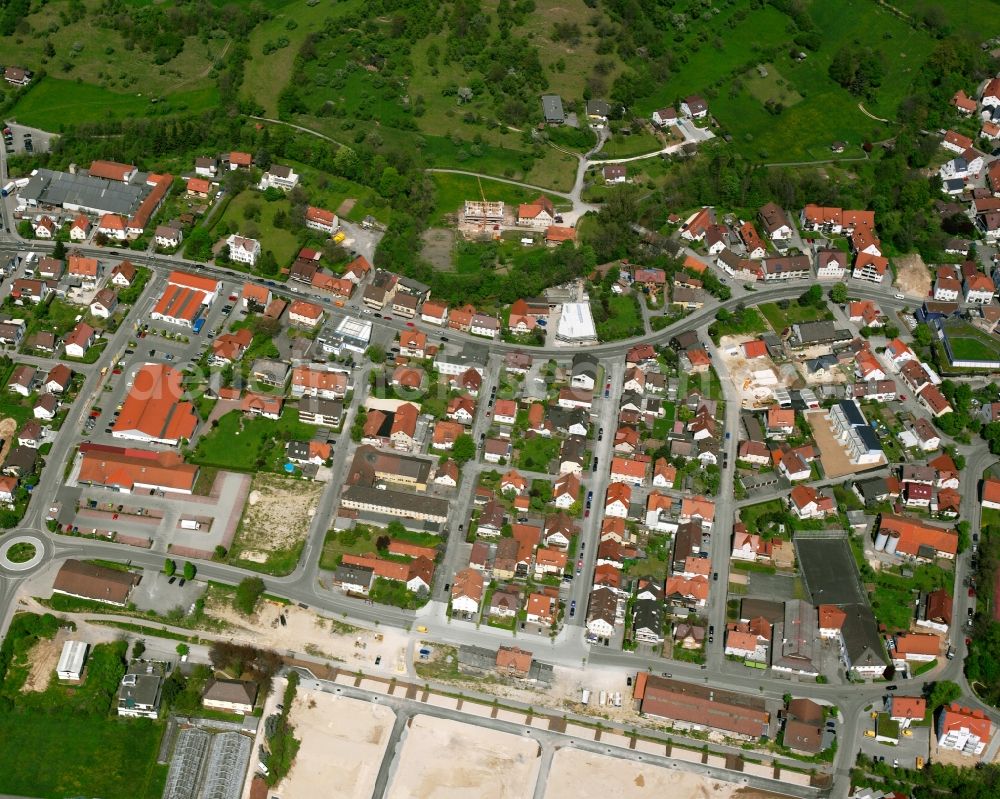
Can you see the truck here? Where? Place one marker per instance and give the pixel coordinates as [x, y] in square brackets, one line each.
[190, 524]
[199, 323]
[8, 189]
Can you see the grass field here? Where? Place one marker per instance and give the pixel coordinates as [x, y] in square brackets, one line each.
[771, 87]
[329, 191]
[241, 444]
[971, 349]
[65, 755]
[55, 102]
[99, 55]
[626, 146]
[624, 318]
[281, 242]
[753, 515]
[780, 319]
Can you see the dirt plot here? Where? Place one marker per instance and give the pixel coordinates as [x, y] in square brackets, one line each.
[831, 454]
[438, 243]
[358, 732]
[44, 658]
[346, 206]
[480, 762]
[8, 427]
[913, 278]
[580, 775]
[277, 515]
[307, 632]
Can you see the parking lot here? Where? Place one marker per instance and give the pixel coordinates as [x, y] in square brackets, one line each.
[905, 751]
[22, 139]
[161, 594]
[154, 520]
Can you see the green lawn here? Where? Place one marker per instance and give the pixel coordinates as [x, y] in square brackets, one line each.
[451, 192]
[780, 319]
[9, 406]
[54, 102]
[757, 517]
[626, 146]
[745, 323]
[358, 541]
[621, 318]
[536, 453]
[283, 243]
[970, 344]
[970, 349]
[328, 191]
[894, 596]
[248, 444]
[771, 87]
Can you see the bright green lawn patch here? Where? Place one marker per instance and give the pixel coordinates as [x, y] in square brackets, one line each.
[328, 191]
[16, 408]
[66, 755]
[970, 349]
[621, 145]
[620, 319]
[356, 541]
[771, 87]
[390, 592]
[55, 102]
[260, 443]
[536, 453]
[780, 319]
[451, 192]
[283, 243]
[759, 517]
[967, 343]
[21, 552]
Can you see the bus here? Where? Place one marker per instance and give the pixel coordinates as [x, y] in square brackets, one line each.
[8, 189]
[199, 323]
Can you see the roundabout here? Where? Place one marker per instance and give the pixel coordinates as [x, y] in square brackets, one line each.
[22, 552]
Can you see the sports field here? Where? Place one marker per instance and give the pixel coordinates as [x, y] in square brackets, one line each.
[829, 570]
[968, 343]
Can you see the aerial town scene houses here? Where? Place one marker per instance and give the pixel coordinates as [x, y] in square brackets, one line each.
[614, 413]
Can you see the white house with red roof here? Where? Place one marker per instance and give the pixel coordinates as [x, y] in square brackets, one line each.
[80, 228]
[322, 220]
[113, 226]
[243, 250]
[962, 729]
[305, 314]
[538, 214]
